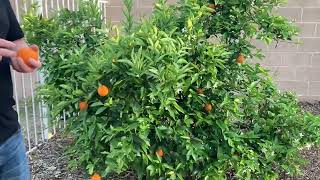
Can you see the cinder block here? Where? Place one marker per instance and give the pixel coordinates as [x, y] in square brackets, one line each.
[273, 59]
[282, 73]
[317, 34]
[303, 3]
[283, 47]
[144, 12]
[296, 59]
[313, 73]
[115, 3]
[311, 15]
[259, 44]
[309, 98]
[299, 87]
[309, 45]
[146, 3]
[293, 14]
[301, 74]
[114, 13]
[316, 60]
[307, 29]
[314, 88]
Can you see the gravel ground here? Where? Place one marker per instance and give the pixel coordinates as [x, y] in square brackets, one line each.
[312, 170]
[48, 162]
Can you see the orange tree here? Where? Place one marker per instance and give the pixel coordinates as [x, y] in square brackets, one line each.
[159, 99]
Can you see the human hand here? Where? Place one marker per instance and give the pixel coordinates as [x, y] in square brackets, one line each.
[7, 49]
[19, 64]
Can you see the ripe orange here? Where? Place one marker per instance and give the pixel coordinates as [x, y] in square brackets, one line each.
[83, 106]
[241, 58]
[208, 107]
[200, 91]
[212, 6]
[103, 90]
[26, 54]
[160, 152]
[95, 176]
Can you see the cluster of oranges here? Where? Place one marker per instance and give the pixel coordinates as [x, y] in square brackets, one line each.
[208, 106]
[102, 91]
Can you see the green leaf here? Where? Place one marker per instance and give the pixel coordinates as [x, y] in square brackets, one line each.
[96, 104]
[90, 168]
[91, 130]
[179, 108]
[100, 110]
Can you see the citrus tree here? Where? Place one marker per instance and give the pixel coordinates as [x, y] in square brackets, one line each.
[157, 97]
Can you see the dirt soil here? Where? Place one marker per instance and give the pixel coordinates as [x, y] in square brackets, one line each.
[48, 162]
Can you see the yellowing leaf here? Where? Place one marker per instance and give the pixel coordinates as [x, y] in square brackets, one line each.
[50, 135]
[190, 24]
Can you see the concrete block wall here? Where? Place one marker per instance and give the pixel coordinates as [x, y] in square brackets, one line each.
[296, 67]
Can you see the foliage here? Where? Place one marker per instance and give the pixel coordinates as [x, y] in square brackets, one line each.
[62, 36]
[154, 71]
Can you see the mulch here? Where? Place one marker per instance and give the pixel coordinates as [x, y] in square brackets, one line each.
[48, 161]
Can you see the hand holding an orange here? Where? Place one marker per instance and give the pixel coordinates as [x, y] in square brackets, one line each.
[27, 59]
[28, 55]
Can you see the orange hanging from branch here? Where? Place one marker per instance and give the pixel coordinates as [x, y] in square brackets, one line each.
[212, 6]
[160, 152]
[83, 106]
[95, 176]
[200, 91]
[241, 58]
[103, 90]
[208, 107]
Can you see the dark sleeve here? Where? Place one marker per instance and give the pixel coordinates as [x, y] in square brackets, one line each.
[15, 31]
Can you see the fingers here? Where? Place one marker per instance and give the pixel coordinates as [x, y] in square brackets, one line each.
[7, 53]
[19, 65]
[7, 44]
[15, 65]
[23, 67]
[35, 48]
[6, 48]
[35, 64]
